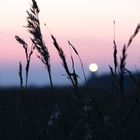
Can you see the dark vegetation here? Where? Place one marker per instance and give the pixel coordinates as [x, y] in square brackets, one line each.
[103, 108]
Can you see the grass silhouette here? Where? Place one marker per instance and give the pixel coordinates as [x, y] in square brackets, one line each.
[95, 110]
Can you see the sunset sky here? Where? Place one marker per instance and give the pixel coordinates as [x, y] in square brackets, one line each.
[88, 24]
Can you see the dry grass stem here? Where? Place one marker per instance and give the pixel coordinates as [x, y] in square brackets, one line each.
[122, 68]
[82, 66]
[20, 75]
[27, 53]
[33, 26]
[71, 76]
[99, 112]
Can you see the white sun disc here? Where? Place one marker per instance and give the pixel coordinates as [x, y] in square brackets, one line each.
[93, 67]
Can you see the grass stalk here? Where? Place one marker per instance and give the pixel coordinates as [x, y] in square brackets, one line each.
[21, 105]
[33, 26]
[20, 76]
[118, 74]
[27, 54]
[71, 76]
[88, 92]
[82, 66]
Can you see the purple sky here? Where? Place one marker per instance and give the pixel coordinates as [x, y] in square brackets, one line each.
[88, 24]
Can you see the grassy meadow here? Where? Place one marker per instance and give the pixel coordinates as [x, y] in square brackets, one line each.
[104, 107]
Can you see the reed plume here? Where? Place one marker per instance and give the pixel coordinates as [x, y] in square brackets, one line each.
[33, 26]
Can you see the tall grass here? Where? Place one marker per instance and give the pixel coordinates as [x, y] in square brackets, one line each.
[20, 76]
[72, 76]
[89, 107]
[82, 66]
[118, 77]
[28, 55]
[90, 102]
[33, 26]
[119, 69]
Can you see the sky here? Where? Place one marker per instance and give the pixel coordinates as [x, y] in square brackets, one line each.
[88, 24]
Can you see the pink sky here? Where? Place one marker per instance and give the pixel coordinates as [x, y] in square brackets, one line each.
[88, 24]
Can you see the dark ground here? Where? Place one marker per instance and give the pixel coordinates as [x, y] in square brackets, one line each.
[26, 117]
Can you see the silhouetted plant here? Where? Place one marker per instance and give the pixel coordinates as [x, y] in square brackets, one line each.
[72, 76]
[21, 104]
[34, 29]
[118, 73]
[82, 66]
[87, 88]
[119, 69]
[89, 105]
[28, 55]
[20, 75]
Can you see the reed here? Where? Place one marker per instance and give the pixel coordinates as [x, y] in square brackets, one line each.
[21, 103]
[89, 106]
[99, 112]
[72, 76]
[33, 26]
[118, 77]
[28, 55]
[20, 75]
[82, 66]
[119, 70]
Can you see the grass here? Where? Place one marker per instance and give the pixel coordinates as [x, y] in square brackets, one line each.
[75, 112]
[28, 59]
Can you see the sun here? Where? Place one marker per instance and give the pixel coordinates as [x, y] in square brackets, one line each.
[93, 67]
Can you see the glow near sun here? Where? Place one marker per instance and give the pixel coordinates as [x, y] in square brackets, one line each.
[93, 67]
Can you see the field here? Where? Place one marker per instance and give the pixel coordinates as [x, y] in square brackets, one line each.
[36, 116]
[103, 108]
